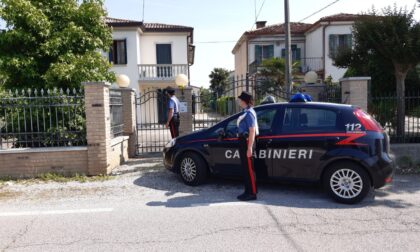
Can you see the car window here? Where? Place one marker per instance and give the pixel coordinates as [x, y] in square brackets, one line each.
[265, 120]
[232, 128]
[309, 120]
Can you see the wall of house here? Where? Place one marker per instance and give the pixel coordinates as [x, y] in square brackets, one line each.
[132, 36]
[279, 44]
[335, 28]
[178, 41]
[314, 43]
[241, 61]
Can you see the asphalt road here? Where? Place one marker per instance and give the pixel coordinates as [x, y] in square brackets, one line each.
[151, 210]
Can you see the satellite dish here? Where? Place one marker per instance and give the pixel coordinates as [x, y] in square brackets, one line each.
[311, 77]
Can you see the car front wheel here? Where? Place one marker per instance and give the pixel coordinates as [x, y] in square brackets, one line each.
[193, 169]
[347, 182]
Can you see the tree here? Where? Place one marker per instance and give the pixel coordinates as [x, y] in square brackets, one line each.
[391, 37]
[273, 76]
[218, 80]
[53, 43]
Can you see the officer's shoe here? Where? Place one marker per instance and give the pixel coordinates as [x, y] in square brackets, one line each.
[247, 197]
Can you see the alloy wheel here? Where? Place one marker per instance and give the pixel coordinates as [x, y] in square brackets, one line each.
[346, 183]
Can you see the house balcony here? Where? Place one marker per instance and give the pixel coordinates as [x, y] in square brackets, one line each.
[161, 72]
[306, 64]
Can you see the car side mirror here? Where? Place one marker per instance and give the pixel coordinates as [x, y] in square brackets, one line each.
[220, 134]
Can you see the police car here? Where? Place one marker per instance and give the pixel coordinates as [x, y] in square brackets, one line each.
[338, 145]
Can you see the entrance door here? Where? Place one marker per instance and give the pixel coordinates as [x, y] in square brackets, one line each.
[164, 57]
[162, 106]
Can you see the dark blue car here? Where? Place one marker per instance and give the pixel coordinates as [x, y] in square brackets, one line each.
[340, 146]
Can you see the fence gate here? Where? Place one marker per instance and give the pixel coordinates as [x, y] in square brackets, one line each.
[151, 116]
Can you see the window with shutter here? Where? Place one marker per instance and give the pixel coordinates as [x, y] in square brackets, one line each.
[339, 42]
[118, 52]
[263, 52]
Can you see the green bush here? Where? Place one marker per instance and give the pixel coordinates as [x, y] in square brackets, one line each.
[222, 105]
[54, 119]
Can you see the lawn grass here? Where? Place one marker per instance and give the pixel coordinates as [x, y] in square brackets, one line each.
[56, 177]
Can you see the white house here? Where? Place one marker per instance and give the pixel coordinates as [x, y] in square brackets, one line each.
[150, 54]
[311, 44]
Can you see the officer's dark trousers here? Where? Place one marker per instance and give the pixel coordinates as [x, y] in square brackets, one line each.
[174, 126]
[247, 164]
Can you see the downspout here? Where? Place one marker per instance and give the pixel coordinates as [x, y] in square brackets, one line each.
[188, 63]
[323, 47]
[247, 63]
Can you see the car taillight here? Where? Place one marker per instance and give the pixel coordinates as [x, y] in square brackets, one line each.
[367, 121]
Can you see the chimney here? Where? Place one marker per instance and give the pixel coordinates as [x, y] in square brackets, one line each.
[260, 24]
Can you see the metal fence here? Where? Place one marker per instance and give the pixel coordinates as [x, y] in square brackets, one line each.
[384, 108]
[332, 93]
[210, 108]
[152, 112]
[42, 118]
[116, 112]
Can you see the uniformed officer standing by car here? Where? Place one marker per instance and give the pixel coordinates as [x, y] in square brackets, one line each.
[247, 130]
[173, 113]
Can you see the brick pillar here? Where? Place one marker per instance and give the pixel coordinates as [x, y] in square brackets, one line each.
[129, 118]
[98, 128]
[185, 96]
[354, 90]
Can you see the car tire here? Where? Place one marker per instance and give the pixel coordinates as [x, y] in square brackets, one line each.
[347, 182]
[193, 169]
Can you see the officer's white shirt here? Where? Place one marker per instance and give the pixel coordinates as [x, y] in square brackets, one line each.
[254, 114]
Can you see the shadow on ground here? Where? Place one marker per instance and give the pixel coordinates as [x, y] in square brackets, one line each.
[219, 190]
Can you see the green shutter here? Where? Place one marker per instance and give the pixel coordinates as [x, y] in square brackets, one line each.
[332, 44]
[270, 51]
[349, 41]
[297, 54]
[258, 56]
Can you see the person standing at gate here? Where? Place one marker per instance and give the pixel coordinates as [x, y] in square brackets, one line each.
[173, 113]
[247, 130]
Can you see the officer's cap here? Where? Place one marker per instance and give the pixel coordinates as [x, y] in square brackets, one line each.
[170, 90]
[268, 99]
[245, 96]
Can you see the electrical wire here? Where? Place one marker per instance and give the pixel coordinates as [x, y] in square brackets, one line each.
[318, 11]
[258, 14]
[215, 42]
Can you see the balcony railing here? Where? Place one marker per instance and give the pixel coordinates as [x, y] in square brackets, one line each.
[312, 64]
[306, 64]
[159, 72]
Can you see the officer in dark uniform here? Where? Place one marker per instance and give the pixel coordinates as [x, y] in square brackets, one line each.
[173, 113]
[247, 130]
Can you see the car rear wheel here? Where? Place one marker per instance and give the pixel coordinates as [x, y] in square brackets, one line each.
[347, 182]
[193, 169]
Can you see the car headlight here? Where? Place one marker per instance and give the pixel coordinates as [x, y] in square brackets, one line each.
[170, 143]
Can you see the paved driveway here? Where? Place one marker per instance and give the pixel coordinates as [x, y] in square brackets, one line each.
[152, 210]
